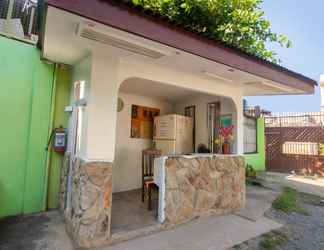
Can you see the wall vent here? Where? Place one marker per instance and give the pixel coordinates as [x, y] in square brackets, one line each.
[100, 37]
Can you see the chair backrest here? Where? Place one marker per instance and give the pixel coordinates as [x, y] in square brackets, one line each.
[148, 156]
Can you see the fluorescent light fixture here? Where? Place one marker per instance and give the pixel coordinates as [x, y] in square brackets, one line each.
[91, 33]
[271, 86]
[284, 88]
[213, 75]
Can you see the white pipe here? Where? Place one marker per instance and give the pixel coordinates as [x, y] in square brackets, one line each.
[322, 80]
[31, 21]
[10, 9]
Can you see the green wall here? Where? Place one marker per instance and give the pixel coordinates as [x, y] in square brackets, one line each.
[61, 100]
[25, 98]
[258, 160]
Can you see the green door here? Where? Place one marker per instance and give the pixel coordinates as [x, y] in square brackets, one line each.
[25, 107]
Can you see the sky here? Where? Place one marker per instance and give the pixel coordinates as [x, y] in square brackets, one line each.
[303, 22]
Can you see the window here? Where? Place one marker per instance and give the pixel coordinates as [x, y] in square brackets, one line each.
[300, 148]
[250, 135]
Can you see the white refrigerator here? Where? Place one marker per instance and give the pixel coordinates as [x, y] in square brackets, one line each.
[173, 134]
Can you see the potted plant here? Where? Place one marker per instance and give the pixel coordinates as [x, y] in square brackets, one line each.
[226, 135]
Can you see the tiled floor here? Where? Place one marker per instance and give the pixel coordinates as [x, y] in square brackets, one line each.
[130, 213]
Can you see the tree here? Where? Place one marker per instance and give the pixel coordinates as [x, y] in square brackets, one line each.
[239, 23]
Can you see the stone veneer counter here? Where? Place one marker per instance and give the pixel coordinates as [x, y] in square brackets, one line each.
[199, 185]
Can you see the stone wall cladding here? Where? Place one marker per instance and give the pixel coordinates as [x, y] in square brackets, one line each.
[63, 181]
[203, 186]
[89, 216]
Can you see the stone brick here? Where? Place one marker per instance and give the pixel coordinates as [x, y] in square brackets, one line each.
[202, 186]
[88, 217]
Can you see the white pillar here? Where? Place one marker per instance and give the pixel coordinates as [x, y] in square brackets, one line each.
[322, 92]
[239, 130]
[102, 109]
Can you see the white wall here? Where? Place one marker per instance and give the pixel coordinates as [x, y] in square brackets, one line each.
[201, 101]
[127, 164]
[108, 73]
[189, 80]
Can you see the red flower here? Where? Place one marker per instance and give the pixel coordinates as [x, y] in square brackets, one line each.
[226, 131]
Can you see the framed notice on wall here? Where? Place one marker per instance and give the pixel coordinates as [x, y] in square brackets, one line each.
[142, 121]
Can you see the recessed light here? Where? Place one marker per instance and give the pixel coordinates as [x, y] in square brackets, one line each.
[213, 75]
[230, 70]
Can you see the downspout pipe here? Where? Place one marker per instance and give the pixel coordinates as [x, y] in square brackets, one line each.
[50, 129]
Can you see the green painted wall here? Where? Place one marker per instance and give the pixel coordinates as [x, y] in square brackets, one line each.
[62, 99]
[25, 107]
[258, 160]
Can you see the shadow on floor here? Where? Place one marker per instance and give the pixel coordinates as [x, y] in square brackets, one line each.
[130, 213]
[22, 232]
[34, 232]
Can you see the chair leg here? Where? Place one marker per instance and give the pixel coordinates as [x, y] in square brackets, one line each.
[157, 205]
[143, 192]
[149, 198]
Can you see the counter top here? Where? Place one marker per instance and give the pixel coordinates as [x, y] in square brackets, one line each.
[190, 156]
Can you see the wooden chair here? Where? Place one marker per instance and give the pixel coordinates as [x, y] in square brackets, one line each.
[148, 156]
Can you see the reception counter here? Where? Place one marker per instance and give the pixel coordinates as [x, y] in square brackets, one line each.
[192, 186]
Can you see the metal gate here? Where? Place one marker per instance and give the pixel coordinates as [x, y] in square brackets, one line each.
[295, 143]
[25, 98]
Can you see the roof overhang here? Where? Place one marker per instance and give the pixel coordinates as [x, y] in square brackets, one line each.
[120, 16]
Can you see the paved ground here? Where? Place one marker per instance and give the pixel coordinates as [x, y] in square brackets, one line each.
[214, 233]
[258, 201]
[130, 213]
[302, 184]
[46, 232]
[301, 231]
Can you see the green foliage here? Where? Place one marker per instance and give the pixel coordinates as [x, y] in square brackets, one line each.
[273, 240]
[239, 23]
[289, 201]
[250, 172]
[321, 149]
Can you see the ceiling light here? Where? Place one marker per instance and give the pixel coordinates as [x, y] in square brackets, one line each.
[213, 75]
[269, 86]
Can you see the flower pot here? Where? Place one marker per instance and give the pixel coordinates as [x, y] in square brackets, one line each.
[226, 148]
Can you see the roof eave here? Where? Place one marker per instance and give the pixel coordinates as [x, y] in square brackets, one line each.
[121, 16]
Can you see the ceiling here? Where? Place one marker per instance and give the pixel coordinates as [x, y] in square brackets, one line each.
[161, 91]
